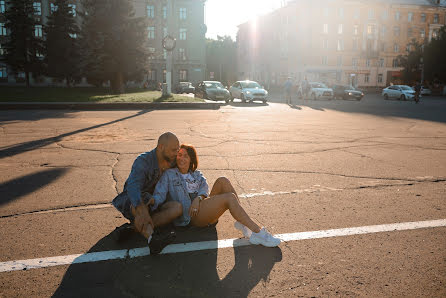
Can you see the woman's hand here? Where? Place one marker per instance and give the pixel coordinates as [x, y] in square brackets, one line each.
[194, 207]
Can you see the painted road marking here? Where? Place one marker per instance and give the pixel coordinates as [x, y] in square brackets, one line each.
[205, 245]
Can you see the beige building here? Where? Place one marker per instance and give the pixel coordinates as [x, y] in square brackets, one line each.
[187, 26]
[336, 41]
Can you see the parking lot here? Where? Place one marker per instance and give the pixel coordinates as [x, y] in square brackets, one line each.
[356, 189]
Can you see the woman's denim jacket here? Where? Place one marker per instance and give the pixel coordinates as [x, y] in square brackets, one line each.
[172, 187]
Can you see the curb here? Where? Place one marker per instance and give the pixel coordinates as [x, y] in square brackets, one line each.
[108, 106]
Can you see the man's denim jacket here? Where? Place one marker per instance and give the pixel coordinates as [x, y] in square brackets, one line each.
[140, 184]
[172, 187]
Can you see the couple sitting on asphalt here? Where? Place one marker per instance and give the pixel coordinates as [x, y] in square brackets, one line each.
[164, 186]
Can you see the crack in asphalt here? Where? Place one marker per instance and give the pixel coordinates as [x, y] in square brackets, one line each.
[115, 180]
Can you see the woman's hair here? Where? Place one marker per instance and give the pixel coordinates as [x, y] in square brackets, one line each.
[193, 156]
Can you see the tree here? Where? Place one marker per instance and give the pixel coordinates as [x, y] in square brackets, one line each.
[221, 57]
[411, 62]
[435, 59]
[23, 48]
[61, 47]
[113, 43]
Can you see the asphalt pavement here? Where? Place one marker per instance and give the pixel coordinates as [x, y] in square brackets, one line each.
[355, 189]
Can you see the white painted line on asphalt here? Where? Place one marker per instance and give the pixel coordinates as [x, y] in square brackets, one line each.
[205, 245]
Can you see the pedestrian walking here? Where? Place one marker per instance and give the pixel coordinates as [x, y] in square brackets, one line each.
[288, 86]
[417, 92]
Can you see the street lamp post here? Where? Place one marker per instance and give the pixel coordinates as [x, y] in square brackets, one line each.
[169, 45]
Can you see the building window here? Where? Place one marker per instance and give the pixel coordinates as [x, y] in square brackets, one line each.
[39, 55]
[151, 53]
[370, 29]
[151, 76]
[183, 13]
[341, 12]
[38, 30]
[339, 28]
[182, 54]
[164, 12]
[2, 50]
[73, 9]
[380, 78]
[366, 78]
[396, 31]
[383, 30]
[340, 46]
[183, 34]
[183, 75]
[367, 62]
[355, 30]
[355, 44]
[395, 62]
[150, 10]
[37, 8]
[397, 15]
[325, 43]
[354, 62]
[326, 11]
[151, 32]
[356, 13]
[409, 32]
[2, 6]
[410, 16]
[371, 14]
[73, 35]
[422, 33]
[423, 17]
[381, 62]
[324, 60]
[396, 48]
[436, 18]
[2, 29]
[435, 33]
[53, 7]
[385, 14]
[325, 28]
[383, 46]
[3, 72]
[339, 61]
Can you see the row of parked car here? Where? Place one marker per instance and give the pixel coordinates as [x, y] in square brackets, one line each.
[403, 92]
[214, 90]
[316, 90]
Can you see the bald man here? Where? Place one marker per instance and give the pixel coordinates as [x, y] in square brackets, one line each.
[135, 200]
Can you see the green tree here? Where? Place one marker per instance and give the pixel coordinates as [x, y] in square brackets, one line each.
[61, 46]
[113, 43]
[411, 62]
[435, 58]
[221, 57]
[23, 48]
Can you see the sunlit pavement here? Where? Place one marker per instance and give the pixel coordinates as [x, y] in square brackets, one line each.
[311, 166]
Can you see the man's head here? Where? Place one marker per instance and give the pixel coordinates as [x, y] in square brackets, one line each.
[168, 146]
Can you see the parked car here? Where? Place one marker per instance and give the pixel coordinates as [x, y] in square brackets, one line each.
[185, 87]
[316, 91]
[212, 90]
[347, 92]
[248, 91]
[401, 92]
[425, 91]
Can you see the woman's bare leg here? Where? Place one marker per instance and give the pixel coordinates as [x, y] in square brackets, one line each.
[213, 207]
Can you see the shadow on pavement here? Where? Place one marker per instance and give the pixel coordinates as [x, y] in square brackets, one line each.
[33, 145]
[11, 117]
[171, 275]
[16, 188]
[247, 104]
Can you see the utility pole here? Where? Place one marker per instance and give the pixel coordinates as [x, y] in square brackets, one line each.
[169, 57]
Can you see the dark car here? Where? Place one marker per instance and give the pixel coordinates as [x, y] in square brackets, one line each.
[347, 92]
[185, 87]
[212, 90]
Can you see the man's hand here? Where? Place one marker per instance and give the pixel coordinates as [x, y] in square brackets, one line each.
[194, 207]
[142, 218]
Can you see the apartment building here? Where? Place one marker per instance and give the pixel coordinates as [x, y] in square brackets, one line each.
[336, 41]
[187, 26]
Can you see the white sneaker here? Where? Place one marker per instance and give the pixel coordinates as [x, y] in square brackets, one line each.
[265, 238]
[246, 232]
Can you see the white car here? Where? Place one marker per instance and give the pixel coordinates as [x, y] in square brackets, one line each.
[248, 91]
[425, 91]
[401, 92]
[316, 91]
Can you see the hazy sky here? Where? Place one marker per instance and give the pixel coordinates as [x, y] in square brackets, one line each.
[223, 16]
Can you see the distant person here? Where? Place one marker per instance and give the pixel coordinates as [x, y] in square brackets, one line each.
[288, 86]
[133, 201]
[417, 89]
[187, 185]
